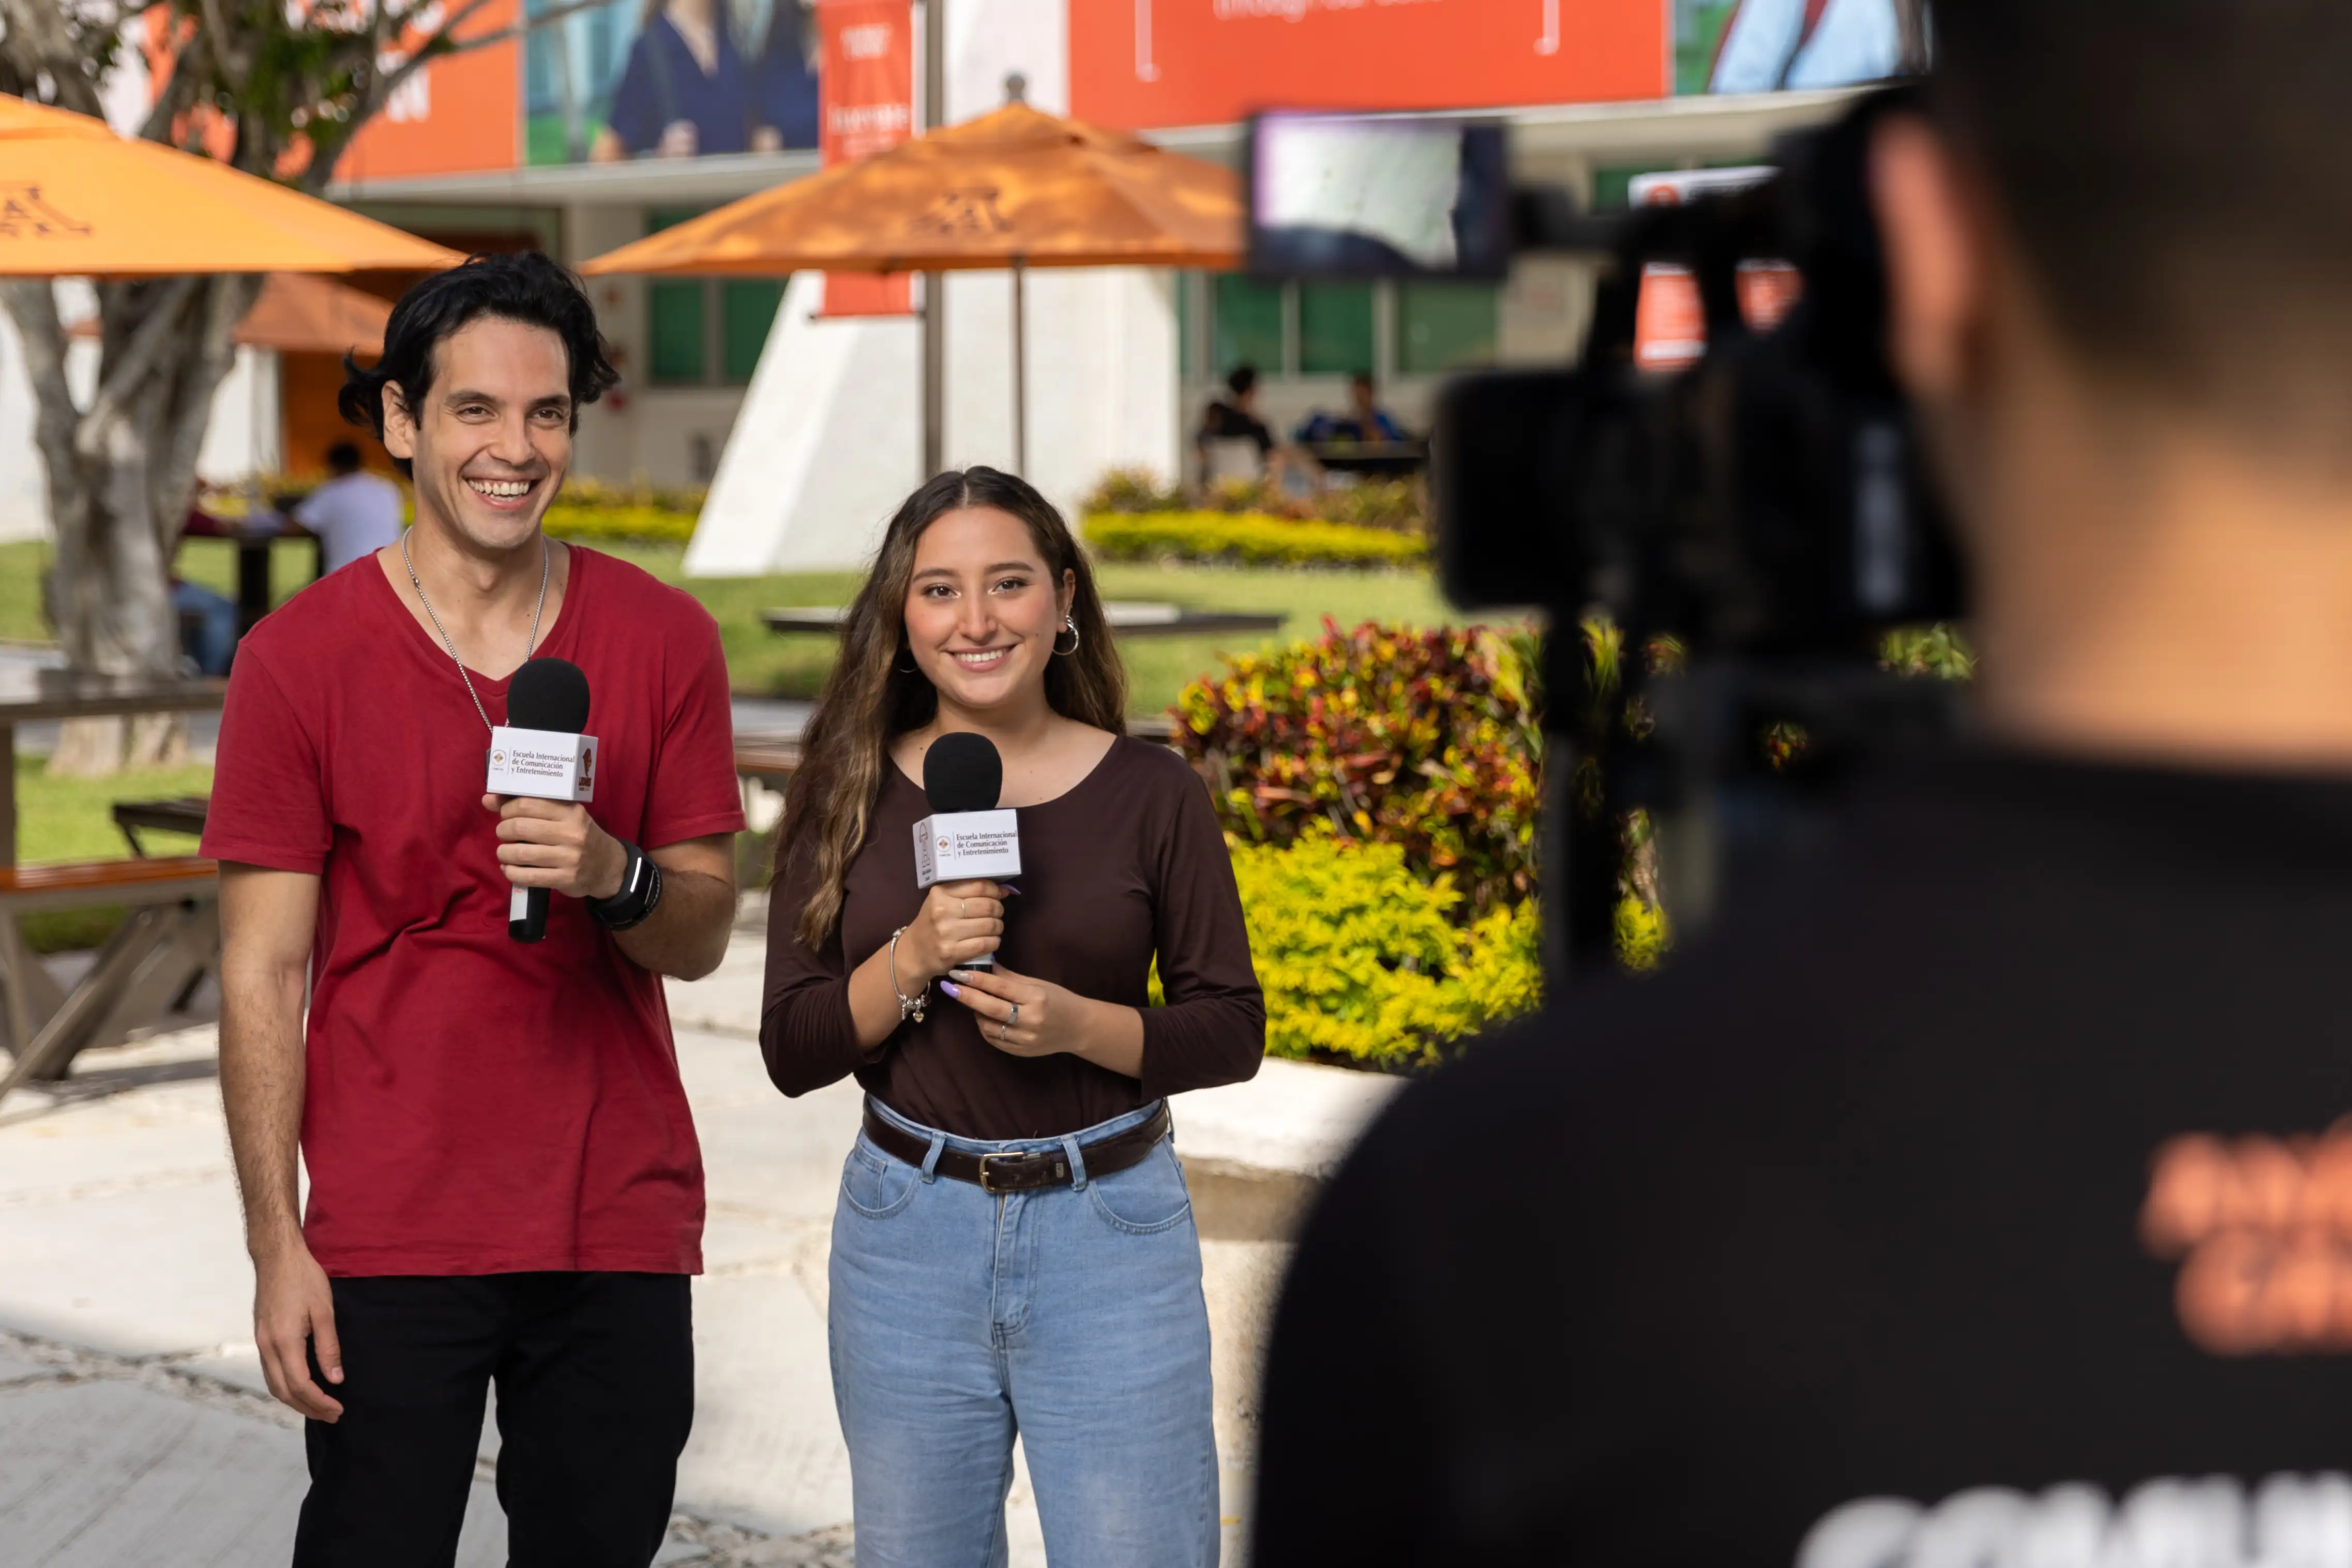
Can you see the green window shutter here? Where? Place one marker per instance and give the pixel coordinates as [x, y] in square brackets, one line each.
[747, 309]
[1335, 329]
[675, 322]
[1445, 326]
[1246, 324]
[1612, 188]
[1699, 24]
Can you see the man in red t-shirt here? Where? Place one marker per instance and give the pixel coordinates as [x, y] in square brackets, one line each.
[504, 1184]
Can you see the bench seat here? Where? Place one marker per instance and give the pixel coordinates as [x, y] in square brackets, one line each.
[82, 884]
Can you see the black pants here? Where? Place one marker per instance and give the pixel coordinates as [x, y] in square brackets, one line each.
[596, 1380]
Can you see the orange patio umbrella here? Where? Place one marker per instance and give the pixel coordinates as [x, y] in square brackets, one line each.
[1013, 188]
[301, 312]
[76, 200]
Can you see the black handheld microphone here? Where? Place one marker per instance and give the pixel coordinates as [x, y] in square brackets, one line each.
[546, 694]
[966, 835]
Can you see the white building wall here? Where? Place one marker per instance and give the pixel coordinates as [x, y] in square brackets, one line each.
[828, 439]
[24, 500]
[245, 433]
[824, 448]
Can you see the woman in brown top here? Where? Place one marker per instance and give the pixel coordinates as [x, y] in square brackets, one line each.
[1012, 1250]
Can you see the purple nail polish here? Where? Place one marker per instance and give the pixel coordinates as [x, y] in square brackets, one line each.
[951, 987]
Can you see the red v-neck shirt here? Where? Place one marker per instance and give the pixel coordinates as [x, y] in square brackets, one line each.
[474, 1105]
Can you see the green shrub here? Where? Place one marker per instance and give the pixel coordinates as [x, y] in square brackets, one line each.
[1131, 490]
[586, 493]
[591, 524]
[1392, 504]
[1939, 650]
[1395, 505]
[1364, 963]
[1425, 739]
[1246, 539]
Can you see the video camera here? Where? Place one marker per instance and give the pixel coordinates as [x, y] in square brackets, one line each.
[1729, 475]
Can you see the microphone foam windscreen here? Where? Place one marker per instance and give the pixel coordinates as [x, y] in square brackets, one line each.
[549, 694]
[962, 771]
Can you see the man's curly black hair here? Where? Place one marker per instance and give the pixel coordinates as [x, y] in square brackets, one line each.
[526, 288]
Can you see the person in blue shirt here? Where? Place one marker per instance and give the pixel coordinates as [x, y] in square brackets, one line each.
[784, 81]
[1365, 420]
[685, 91]
[1768, 45]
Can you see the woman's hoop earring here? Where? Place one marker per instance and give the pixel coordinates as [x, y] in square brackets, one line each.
[1069, 625]
[903, 669]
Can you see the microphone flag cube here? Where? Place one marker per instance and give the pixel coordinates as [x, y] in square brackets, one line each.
[546, 765]
[962, 846]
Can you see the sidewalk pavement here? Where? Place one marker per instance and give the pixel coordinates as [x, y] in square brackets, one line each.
[134, 1423]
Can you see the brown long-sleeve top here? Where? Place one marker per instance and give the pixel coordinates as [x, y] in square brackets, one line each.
[1128, 865]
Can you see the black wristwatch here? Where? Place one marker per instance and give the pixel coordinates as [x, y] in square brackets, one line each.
[641, 884]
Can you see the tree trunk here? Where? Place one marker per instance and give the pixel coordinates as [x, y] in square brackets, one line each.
[121, 474]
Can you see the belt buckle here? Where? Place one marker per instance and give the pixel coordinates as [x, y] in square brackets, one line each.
[984, 1185]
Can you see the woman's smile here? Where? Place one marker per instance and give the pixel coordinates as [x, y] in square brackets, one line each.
[979, 658]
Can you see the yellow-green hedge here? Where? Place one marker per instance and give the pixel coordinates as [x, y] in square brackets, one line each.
[637, 522]
[1361, 960]
[1247, 539]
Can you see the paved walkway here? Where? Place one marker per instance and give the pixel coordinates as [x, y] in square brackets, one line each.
[134, 1428]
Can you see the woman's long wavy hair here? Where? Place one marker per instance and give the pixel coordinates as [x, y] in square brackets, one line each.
[870, 699]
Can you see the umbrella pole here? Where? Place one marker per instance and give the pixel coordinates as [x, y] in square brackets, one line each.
[1019, 368]
[935, 375]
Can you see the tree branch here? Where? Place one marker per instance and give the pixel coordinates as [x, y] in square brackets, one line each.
[172, 459]
[236, 74]
[425, 53]
[177, 97]
[41, 41]
[139, 356]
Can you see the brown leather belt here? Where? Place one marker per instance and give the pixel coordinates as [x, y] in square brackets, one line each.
[1022, 1172]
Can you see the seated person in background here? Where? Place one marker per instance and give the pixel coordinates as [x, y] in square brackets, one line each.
[1232, 418]
[1365, 421]
[208, 626]
[355, 513]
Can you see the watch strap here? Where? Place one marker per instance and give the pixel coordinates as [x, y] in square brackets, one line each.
[641, 886]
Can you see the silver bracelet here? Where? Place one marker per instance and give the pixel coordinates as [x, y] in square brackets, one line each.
[908, 1006]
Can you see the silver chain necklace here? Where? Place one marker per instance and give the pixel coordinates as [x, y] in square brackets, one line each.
[545, 555]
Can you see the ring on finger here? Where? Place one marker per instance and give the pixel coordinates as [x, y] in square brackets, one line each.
[1013, 1019]
[1002, 1031]
[959, 910]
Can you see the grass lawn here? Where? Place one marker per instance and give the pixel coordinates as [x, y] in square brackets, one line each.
[1157, 668]
[762, 663]
[209, 561]
[66, 819]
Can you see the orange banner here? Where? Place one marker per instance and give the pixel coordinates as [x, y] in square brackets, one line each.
[866, 94]
[459, 115]
[1137, 64]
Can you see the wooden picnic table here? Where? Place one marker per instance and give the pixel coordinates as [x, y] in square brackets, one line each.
[30, 694]
[252, 552]
[1128, 619]
[173, 932]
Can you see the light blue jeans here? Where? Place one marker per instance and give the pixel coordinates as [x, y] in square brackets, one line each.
[1072, 1316]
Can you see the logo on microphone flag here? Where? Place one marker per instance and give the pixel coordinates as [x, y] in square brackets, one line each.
[958, 846]
[546, 765]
